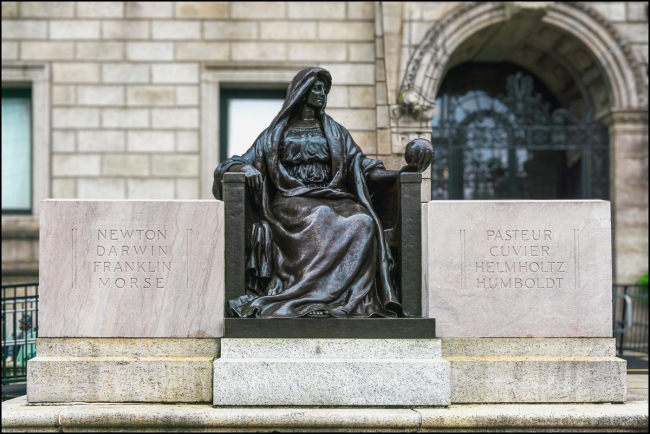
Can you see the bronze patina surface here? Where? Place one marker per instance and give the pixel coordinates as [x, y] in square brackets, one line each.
[316, 245]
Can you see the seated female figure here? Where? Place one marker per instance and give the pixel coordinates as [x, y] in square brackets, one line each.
[319, 248]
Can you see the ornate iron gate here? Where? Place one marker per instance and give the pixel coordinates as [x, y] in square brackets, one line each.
[514, 147]
[19, 330]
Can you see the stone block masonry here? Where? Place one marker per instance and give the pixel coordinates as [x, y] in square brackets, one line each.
[119, 72]
[116, 65]
[121, 370]
[136, 269]
[519, 268]
[333, 372]
[534, 370]
[131, 295]
[18, 416]
[521, 293]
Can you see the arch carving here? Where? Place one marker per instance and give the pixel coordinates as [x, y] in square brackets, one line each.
[623, 74]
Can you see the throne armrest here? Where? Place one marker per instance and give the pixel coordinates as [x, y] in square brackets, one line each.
[408, 234]
[234, 198]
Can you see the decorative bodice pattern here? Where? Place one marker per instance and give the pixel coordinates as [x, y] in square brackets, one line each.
[306, 156]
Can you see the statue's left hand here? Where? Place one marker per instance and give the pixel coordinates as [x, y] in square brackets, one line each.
[421, 158]
[253, 177]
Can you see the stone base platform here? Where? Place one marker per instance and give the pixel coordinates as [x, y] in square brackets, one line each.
[331, 372]
[535, 370]
[17, 416]
[121, 370]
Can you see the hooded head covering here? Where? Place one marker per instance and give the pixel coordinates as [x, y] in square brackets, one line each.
[299, 88]
[269, 139]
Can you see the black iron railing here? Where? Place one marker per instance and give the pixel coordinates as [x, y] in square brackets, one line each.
[630, 304]
[19, 330]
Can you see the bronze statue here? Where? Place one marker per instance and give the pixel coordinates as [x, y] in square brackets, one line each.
[317, 247]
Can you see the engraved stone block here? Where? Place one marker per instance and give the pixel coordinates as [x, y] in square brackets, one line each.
[519, 268]
[131, 269]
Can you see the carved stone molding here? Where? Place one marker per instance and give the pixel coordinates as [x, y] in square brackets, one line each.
[427, 64]
[627, 116]
[635, 65]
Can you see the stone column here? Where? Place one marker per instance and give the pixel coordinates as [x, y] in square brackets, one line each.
[628, 132]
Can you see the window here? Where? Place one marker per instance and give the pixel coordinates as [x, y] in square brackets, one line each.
[16, 151]
[245, 113]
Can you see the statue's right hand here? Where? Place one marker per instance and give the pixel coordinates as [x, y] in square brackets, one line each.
[253, 177]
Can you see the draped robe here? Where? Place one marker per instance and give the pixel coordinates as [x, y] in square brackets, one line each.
[314, 248]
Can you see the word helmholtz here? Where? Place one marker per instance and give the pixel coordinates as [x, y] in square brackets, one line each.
[520, 267]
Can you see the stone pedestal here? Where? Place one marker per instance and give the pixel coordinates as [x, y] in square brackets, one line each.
[534, 370]
[332, 372]
[121, 370]
[522, 296]
[131, 269]
[130, 301]
[526, 269]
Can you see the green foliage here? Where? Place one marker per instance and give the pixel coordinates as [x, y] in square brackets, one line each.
[643, 283]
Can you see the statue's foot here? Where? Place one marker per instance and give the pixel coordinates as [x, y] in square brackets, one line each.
[317, 314]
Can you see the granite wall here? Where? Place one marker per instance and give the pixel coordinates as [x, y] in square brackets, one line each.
[121, 105]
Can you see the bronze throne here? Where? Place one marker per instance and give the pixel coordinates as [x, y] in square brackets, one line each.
[398, 207]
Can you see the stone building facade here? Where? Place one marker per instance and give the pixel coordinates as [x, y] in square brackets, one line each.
[125, 95]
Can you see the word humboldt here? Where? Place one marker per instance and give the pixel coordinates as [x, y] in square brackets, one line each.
[132, 265]
[517, 265]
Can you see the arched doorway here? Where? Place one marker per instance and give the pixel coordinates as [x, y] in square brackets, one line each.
[581, 57]
[500, 133]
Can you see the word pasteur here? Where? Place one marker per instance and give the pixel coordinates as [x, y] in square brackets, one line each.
[131, 268]
[519, 269]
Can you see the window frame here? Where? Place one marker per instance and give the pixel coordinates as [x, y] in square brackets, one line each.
[231, 75]
[35, 76]
[224, 112]
[19, 92]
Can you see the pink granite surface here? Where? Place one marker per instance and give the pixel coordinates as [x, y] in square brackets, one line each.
[131, 268]
[519, 268]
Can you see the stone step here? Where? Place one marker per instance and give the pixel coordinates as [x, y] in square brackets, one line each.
[331, 372]
[121, 370]
[17, 416]
[534, 370]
